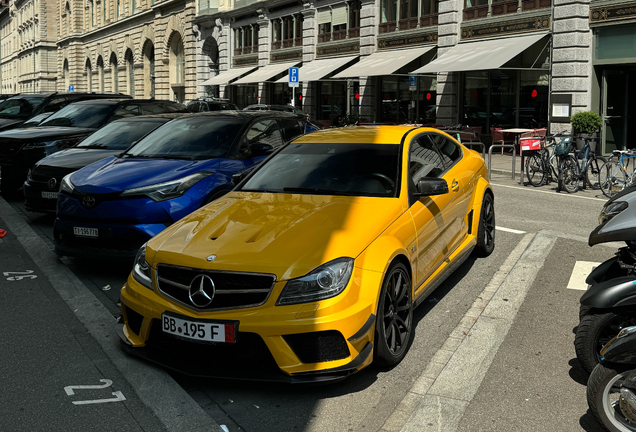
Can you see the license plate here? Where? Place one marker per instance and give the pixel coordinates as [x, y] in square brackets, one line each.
[86, 232]
[50, 195]
[205, 331]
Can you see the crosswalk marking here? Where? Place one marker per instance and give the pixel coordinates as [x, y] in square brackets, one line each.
[580, 272]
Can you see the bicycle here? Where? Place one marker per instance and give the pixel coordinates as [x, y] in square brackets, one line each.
[614, 175]
[542, 167]
[590, 165]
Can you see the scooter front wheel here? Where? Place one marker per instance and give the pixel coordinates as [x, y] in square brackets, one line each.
[608, 405]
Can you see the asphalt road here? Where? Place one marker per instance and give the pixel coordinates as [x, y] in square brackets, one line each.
[516, 371]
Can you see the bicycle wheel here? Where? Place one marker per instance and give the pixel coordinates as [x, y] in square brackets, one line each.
[535, 170]
[569, 174]
[592, 171]
[610, 177]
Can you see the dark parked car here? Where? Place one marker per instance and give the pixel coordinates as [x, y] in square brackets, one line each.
[43, 180]
[21, 148]
[263, 107]
[17, 109]
[204, 105]
[113, 206]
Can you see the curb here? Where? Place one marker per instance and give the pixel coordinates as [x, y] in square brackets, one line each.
[169, 402]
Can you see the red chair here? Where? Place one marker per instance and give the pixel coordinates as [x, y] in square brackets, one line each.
[499, 137]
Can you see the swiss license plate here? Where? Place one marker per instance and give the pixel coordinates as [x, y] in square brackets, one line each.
[50, 195]
[86, 232]
[205, 331]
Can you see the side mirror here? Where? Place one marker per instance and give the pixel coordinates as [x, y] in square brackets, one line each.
[430, 187]
[237, 178]
[260, 149]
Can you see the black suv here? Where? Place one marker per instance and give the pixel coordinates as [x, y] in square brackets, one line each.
[19, 108]
[212, 104]
[21, 148]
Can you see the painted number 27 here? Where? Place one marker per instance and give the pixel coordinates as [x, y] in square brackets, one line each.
[19, 275]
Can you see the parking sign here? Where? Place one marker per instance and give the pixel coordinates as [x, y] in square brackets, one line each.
[293, 77]
[71, 88]
[412, 83]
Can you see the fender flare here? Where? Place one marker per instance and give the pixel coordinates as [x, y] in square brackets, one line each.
[617, 292]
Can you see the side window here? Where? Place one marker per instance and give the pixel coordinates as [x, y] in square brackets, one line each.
[55, 105]
[171, 108]
[126, 111]
[152, 108]
[262, 137]
[449, 150]
[291, 128]
[424, 160]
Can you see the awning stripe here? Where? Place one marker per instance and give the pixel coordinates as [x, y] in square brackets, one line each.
[266, 73]
[383, 62]
[226, 76]
[318, 69]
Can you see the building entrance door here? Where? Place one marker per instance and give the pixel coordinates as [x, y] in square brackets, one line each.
[615, 109]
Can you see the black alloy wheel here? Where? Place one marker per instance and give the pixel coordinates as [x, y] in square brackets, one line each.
[486, 229]
[394, 322]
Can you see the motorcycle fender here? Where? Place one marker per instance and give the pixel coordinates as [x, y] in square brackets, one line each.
[598, 274]
[615, 292]
[621, 350]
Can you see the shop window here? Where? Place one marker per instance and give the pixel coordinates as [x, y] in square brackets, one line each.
[407, 14]
[399, 104]
[332, 102]
[287, 32]
[246, 39]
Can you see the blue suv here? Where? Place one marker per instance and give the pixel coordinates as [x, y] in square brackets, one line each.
[112, 207]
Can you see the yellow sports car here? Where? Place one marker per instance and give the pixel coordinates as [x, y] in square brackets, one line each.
[310, 268]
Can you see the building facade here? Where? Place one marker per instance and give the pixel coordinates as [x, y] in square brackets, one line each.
[28, 53]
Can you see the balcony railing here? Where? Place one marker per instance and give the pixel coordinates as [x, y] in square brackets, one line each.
[244, 50]
[339, 34]
[288, 43]
[276, 45]
[504, 7]
[325, 37]
[480, 11]
[428, 20]
[354, 32]
[387, 27]
[527, 5]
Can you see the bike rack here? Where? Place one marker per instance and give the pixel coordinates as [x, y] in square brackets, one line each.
[514, 157]
[480, 144]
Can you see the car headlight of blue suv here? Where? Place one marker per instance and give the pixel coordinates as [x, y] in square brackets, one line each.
[167, 190]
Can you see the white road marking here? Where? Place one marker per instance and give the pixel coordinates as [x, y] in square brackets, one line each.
[548, 192]
[510, 230]
[580, 272]
[118, 398]
[70, 390]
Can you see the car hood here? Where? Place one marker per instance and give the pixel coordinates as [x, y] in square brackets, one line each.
[6, 124]
[45, 132]
[117, 174]
[74, 158]
[284, 234]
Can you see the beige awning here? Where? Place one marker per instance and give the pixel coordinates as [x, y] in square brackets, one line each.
[318, 69]
[226, 76]
[481, 55]
[383, 62]
[266, 73]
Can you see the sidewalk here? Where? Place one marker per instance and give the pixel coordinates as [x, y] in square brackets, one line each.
[62, 365]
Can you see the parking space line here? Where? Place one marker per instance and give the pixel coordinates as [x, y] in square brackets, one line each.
[579, 273]
[510, 230]
[547, 192]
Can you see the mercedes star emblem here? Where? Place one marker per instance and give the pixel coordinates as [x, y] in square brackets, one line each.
[211, 258]
[88, 201]
[52, 182]
[201, 291]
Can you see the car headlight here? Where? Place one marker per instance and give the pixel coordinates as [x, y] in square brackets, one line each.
[325, 282]
[168, 190]
[610, 210]
[141, 268]
[66, 185]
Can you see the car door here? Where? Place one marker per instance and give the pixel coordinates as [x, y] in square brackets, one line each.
[434, 221]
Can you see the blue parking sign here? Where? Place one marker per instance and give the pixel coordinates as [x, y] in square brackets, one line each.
[71, 88]
[293, 75]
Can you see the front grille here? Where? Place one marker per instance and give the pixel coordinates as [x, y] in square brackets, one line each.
[10, 147]
[317, 347]
[232, 289]
[43, 174]
[248, 353]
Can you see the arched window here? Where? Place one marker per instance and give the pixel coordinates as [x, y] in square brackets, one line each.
[89, 76]
[149, 70]
[118, 8]
[131, 73]
[68, 19]
[66, 76]
[100, 73]
[177, 68]
[114, 69]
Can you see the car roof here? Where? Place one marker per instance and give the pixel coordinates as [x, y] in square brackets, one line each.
[246, 114]
[158, 117]
[360, 135]
[107, 101]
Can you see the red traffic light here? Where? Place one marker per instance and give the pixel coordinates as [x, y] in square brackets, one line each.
[534, 93]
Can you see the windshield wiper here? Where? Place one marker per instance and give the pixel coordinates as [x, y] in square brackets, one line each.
[94, 146]
[318, 191]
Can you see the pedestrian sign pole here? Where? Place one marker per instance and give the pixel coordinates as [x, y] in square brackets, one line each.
[293, 82]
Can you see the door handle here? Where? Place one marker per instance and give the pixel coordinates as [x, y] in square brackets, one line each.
[455, 186]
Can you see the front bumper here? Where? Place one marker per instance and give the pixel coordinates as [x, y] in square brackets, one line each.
[265, 348]
[35, 202]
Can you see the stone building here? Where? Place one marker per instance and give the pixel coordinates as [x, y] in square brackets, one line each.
[28, 32]
[145, 48]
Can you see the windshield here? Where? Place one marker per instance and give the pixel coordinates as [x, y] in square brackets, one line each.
[80, 115]
[119, 135]
[330, 169]
[194, 138]
[36, 120]
[21, 107]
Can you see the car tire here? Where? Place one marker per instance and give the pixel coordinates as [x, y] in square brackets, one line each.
[486, 228]
[394, 321]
